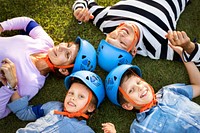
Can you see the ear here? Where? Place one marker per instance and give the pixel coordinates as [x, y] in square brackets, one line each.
[64, 71]
[127, 106]
[91, 108]
[134, 51]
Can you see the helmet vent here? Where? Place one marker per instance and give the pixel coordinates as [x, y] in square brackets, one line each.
[87, 78]
[120, 56]
[83, 56]
[115, 78]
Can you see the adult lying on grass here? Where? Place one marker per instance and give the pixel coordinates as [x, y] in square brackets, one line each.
[169, 110]
[26, 60]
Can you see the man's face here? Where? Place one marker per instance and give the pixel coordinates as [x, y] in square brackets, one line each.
[122, 37]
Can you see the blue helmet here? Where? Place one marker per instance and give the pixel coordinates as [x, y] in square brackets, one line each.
[110, 56]
[86, 58]
[113, 79]
[92, 80]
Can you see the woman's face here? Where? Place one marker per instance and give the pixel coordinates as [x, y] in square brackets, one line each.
[76, 97]
[138, 90]
[63, 54]
[122, 37]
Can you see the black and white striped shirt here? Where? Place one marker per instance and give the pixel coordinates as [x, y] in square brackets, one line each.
[153, 17]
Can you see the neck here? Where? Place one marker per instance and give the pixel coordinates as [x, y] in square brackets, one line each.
[40, 63]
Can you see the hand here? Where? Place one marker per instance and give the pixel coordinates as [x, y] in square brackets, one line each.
[1, 29]
[83, 15]
[8, 73]
[180, 41]
[108, 128]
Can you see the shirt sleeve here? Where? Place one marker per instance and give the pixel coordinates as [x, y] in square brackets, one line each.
[27, 112]
[82, 4]
[194, 56]
[183, 89]
[5, 95]
[29, 26]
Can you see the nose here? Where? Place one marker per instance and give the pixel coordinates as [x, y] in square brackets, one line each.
[62, 46]
[72, 98]
[139, 87]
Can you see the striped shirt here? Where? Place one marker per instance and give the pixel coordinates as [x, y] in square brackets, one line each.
[153, 17]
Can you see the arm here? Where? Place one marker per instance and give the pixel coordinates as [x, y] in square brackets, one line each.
[30, 26]
[193, 72]
[9, 79]
[194, 76]
[18, 23]
[19, 106]
[191, 50]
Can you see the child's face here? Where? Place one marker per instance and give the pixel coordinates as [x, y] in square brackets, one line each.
[76, 97]
[138, 90]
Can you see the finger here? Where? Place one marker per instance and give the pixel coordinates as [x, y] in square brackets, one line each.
[6, 60]
[91, 16]
[184, 34]
[175, 36]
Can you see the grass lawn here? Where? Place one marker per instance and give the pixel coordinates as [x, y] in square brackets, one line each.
[57, 19]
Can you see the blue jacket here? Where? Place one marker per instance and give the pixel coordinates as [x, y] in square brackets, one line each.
[46, 120]
[174, 113]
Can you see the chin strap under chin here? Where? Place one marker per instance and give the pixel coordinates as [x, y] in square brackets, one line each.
[52, 66]
[76, 114]
[71, 115]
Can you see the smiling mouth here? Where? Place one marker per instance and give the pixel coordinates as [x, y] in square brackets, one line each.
[71, 104]
[144, 93]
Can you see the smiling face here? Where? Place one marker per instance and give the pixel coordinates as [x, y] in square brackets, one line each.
[63, 54]
[122, 37]
[76, 97]
[138, 90]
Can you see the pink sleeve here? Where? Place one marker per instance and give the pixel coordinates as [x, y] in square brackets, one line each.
[18, 23]
[5, 95]
[22, 23]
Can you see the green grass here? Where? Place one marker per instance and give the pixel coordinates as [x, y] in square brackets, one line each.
[57, 19]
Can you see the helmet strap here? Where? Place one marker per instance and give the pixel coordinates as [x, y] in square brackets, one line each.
[52, 66]
[144, 106]
[76, 114]
[136, 38]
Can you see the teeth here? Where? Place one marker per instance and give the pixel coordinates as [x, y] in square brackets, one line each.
[143, 94]
[71, 104]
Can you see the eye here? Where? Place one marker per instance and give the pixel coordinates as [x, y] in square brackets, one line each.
[139, 82]
[122, 43]
[70, 93]
[67, 55]
[81, 96]
[131, 90]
